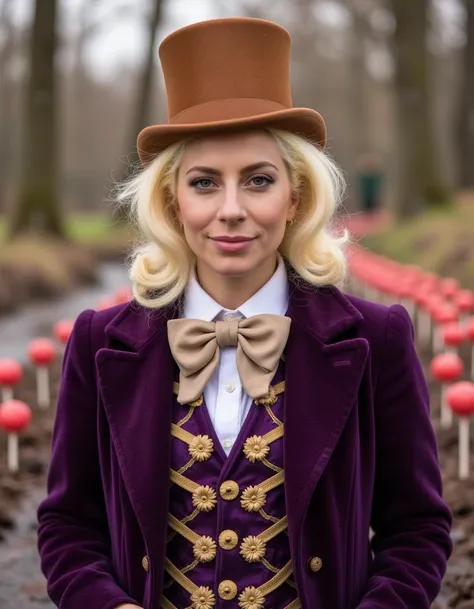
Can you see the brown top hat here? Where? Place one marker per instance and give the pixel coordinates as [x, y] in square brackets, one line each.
[228, 74]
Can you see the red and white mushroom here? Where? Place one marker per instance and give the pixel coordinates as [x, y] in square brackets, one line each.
[460, 398]
[42, 352]
[11, 372]
[464, 300]
[15, 416]
[470, 336]
[446, 368]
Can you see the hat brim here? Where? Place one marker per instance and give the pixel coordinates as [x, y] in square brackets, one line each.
[305, 122]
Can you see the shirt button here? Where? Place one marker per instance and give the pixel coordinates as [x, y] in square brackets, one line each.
[229, 388]
[227, 443]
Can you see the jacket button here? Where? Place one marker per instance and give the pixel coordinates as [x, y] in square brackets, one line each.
[229, 490]
[227, 590]
[146, 563]
[315, 564]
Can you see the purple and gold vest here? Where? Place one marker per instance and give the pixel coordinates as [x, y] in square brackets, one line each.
[228, 544]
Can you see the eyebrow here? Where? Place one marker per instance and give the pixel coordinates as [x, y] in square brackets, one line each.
[216, 172]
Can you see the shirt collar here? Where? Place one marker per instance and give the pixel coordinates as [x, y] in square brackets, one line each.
[271, 298]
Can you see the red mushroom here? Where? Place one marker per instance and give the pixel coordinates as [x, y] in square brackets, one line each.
[460, 398]
[470, 336]
[442, 314]
[15, 416]
[11, 373]
[449, 287]
[464, 300]
[62, 330]
[42, 352]
[453, 336]
[446, 368]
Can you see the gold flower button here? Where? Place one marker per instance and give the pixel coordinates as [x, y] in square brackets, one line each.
[253, 549]
[251, 598]
[228, 539]
[256, 448]
[146, 563]
[253, 499]
[267, 400]
[198, 402]
[204, 498]
[201, 448]
[227, 590]
[315, 564]
[203, 598]
[205, 549]
[229, 490]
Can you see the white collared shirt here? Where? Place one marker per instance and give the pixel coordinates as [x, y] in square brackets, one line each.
[227, 402]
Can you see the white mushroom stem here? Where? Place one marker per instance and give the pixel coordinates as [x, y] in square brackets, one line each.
[424, 327]
[472, 363]
[13, 457]
[409, 306]
[42, 380]
[446, 412]
[438, 342]
[464, 448]
[7, 393]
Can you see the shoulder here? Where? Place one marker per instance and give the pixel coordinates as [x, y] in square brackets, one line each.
[384, 319]
[93, 323]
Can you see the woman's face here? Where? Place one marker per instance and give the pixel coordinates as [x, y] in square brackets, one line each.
[234, 200]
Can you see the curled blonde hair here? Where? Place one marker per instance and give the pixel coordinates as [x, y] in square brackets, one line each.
[161, 263]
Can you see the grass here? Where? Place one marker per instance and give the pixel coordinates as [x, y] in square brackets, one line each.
[441, 241]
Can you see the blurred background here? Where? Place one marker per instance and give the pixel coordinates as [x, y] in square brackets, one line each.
[394, 80]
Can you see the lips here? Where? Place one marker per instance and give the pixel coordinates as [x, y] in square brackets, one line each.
[232, 239]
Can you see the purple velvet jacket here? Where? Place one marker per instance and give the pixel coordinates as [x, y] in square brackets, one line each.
[359, 453]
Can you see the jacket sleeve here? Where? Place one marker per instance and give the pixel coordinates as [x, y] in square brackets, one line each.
[73, 536]
[410, 520]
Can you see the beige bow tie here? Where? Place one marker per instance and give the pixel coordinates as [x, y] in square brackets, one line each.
[195, 346]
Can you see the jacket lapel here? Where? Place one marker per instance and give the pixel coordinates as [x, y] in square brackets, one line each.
[324, 367]
[136, 383]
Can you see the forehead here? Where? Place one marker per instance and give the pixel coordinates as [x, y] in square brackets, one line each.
[234, 149]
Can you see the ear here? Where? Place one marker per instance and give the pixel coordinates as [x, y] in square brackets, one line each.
[293, 207]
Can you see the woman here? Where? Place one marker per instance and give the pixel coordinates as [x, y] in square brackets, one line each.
[230, 437]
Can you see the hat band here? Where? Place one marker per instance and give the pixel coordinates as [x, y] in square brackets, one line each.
[225, 109]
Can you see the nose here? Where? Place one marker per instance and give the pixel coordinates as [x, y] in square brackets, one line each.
[231, 209]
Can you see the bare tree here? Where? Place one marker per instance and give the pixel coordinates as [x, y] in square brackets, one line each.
[38, 205]
[145, 78]
[6, 96]
[466, 114]
[419, 183]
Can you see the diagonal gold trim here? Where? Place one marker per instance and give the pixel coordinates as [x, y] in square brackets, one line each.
[271, 483]
[181, 434]
[274, 434]
[277, 580]
[186, 418]
[274, 530]
[271, 466]
[273, 417]
[166, 604]
[183, 482]
[296, 604]
[179, 577]
[182, 529]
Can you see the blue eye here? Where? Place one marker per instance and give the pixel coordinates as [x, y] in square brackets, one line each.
[202, 183]
[262, 181]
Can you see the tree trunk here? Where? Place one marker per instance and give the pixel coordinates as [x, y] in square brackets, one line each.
[38, 205]
[466, 114]
[419, 185]
[6, 102]
[145, 83]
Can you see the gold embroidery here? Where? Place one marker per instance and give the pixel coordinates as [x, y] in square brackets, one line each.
[201, 447]
[204, 498]
[256, 448]
[251, 598]
[253, 549]
[191, 566]
[198, 402]
[253, 499]
[203, 598]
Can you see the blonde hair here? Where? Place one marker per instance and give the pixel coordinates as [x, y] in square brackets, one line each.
[161, 263]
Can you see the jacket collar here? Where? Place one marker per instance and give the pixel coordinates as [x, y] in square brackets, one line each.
[324, 312]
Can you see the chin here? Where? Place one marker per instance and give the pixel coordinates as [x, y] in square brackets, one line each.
[233, 267]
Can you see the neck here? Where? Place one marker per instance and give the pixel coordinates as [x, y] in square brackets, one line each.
[232, 291]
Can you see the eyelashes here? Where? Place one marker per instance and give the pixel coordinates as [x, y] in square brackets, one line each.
[208, 184]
